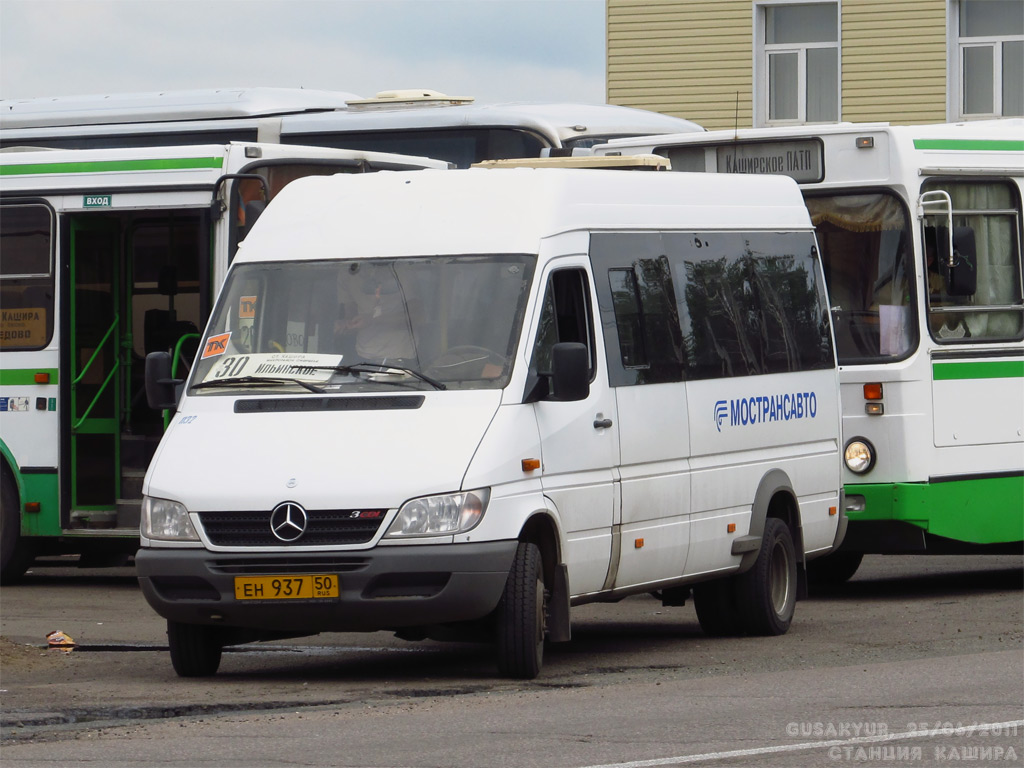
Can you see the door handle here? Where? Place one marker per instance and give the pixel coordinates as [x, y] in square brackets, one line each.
[602, 423]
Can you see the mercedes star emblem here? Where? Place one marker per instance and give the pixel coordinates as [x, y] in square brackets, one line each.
[288, 521]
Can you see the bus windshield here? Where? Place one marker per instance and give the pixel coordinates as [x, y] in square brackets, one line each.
[416, 323]
[868, 261]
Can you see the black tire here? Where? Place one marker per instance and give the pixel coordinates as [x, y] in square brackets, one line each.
[717, 612]
[195, 649]
[521, 616]
[16, 552]
[835, 568]
[766, 594]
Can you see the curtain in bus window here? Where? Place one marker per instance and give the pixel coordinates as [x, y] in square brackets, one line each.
[998, 260]
[866, 257]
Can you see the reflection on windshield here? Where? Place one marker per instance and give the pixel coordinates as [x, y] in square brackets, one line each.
[419, 323]
[867, 257]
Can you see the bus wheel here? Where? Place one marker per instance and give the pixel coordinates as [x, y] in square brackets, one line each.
[715, 603]
[16, 552]
[835, 568]
[521, 616]
[195, 649]
[767, 592]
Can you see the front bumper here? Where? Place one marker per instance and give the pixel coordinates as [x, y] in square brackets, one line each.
[382, 588]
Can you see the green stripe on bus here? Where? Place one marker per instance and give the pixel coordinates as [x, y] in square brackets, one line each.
[21, 378]
[1003, 369]
[972, 145]
[99, 166]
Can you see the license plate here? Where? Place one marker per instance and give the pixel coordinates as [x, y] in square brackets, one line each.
[309, 586]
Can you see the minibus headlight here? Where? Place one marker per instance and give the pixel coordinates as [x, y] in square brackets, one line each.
[859, 455]
[439, 515]
[166, 520]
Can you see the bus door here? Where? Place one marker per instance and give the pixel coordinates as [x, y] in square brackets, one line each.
[136, 287]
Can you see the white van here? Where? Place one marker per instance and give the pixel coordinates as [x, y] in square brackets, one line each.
[455, 403]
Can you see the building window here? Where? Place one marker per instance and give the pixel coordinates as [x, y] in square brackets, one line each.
[990, 47]
[798, 63]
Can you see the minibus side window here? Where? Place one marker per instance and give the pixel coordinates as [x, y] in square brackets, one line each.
[705, 305]
[751, 303]
[565, 316]
[639, 312]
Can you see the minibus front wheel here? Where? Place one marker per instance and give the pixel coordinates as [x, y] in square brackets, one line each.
[521, 616]
[195, 649]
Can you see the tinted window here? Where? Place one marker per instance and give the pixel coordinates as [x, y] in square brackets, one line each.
[462, 147]
[710, 305]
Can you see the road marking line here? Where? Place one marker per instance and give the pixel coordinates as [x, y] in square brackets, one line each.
[932, 732]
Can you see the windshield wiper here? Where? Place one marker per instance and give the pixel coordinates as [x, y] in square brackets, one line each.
[385, 368]
[246, 380]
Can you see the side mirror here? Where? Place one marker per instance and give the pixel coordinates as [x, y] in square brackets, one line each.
[161, 390]
[570, 371]
[253, 210]
[959, 269]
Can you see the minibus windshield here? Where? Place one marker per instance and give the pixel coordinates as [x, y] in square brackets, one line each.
[430, 323]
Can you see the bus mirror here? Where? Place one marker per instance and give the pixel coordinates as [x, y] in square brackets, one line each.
[253, 210]
[570, 371]
[959, 270]
[161, 389]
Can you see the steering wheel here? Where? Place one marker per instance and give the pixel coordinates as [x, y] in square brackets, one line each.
[467, 361]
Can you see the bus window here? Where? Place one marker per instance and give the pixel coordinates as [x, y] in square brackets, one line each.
[26, 276]
[994, 310]
[461, 147]
[864, 241]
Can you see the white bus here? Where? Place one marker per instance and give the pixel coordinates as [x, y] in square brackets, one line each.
[454, 404]
[106, 255]
[423, 123]
[920, 231]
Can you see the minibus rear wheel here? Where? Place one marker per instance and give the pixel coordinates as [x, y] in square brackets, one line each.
[195, 649]
[521, 616]
[766, 594]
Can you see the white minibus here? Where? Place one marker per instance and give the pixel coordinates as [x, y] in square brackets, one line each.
[456, 403]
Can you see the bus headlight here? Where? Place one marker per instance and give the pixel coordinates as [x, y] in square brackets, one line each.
[439, 515]
[166, 521]
[859, 455]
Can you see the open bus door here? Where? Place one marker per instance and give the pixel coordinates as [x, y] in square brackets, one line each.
[137, 285]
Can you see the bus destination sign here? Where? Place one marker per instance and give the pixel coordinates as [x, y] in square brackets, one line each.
[801, 160]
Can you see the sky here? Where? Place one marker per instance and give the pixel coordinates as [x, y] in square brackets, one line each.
[491, 50]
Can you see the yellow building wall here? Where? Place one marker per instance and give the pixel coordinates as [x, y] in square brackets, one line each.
[692, 58]
[688, 58]
[894, 61]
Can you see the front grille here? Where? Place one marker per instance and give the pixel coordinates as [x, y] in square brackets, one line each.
[326, 527]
